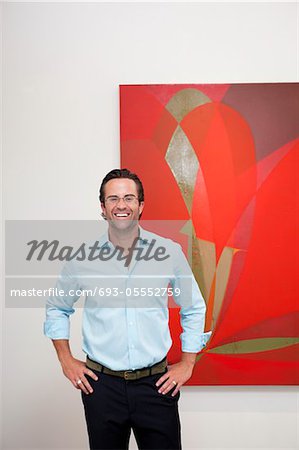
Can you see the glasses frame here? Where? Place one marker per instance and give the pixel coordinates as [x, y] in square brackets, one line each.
[115, 199]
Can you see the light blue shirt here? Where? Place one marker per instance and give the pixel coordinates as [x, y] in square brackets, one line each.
[125, 316]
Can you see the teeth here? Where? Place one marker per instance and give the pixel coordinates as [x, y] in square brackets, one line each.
[122, 215]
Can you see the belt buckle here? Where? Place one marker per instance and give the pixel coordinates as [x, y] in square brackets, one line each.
[130, 375]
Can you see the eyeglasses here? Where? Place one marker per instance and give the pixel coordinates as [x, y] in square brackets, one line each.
[128, 199]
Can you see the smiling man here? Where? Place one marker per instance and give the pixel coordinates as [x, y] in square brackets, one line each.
[125, 381]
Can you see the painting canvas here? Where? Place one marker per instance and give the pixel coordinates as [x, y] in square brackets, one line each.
[222, 162]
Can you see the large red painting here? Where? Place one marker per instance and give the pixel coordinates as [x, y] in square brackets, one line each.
[223, 161]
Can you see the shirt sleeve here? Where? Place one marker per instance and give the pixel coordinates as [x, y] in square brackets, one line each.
[193, 308]
[59, 307]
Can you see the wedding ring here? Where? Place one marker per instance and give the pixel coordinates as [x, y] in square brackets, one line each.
[174, 382]
[79, 381]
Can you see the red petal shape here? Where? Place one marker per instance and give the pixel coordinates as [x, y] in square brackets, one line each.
[267, 286]
[217, 133]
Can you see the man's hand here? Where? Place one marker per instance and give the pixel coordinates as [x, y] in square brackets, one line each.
[176, 375]
[75, 370]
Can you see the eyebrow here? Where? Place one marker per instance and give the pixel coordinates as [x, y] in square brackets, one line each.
[115, 195]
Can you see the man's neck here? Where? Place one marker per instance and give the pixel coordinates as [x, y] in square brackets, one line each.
[123, 238]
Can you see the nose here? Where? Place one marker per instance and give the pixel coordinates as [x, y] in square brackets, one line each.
[121, 202]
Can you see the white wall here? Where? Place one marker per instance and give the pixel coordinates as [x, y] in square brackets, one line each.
[62, 64]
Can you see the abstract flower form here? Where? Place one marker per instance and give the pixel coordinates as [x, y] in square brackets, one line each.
[225, 158]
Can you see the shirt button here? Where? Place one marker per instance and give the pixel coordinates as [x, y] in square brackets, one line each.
[131, 323]
[132, 346]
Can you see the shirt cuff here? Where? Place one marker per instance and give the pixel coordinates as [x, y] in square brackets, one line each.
[56, 330]
[194, 344]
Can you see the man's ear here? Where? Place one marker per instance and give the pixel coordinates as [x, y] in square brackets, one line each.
[103, 214]
[141, 206]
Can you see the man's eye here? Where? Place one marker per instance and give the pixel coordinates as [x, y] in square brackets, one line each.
[129, 198]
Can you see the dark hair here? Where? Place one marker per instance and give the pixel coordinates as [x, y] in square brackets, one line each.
[121, 173]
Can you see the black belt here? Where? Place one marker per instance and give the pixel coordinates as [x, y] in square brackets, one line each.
[159, 367]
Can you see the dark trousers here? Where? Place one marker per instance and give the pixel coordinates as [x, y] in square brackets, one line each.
[116, 406]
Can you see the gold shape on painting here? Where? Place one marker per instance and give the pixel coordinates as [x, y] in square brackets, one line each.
[183, 163]
[185, 101]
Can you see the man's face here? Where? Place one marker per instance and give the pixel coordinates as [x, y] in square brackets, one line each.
[121, 207]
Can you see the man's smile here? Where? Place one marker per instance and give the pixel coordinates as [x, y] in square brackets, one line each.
[122, 215]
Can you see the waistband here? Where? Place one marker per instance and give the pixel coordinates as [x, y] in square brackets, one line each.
[159, 367]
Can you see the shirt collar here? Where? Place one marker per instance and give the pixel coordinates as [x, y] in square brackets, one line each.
[105, 242]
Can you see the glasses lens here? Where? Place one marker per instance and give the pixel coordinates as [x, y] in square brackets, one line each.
[129, 198]
[113, 199]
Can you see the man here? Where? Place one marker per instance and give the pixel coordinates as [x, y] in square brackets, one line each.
[125, 382]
